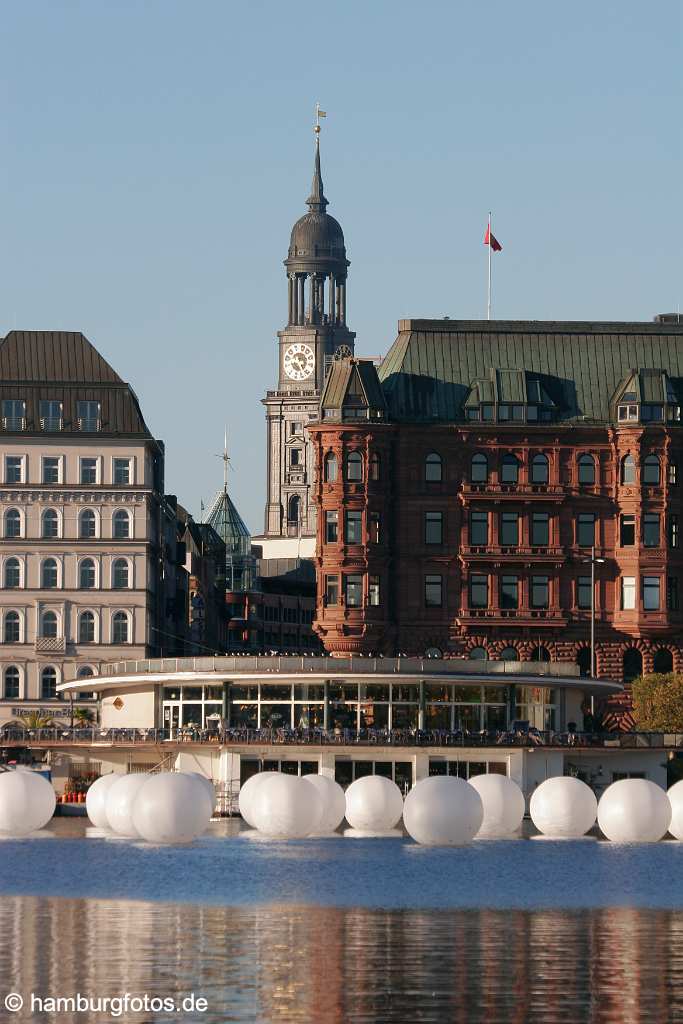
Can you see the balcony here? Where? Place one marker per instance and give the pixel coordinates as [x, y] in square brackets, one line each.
[545, 554]
[513, 492]
[89, 425]
[50, 645]
[14, 423]
[51, 423]
[523, 617]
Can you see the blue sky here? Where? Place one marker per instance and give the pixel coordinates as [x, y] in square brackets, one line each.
[156, 154]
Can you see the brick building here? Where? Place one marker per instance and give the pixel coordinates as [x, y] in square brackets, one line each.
[462, 485]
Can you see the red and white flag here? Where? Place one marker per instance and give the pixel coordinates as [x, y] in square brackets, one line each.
[490, 239]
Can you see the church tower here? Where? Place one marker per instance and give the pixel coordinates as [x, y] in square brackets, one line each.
[316, 333]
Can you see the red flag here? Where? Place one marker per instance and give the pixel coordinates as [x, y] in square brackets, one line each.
[490, 239]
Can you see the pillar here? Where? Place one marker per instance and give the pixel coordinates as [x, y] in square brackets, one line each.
[326, 705]
[290, 299]
[301, 280]
[330, 299]
[421, 707]
[342, 315]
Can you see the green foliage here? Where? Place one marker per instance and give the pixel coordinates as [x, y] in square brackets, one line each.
[658, 702]
[83, 716]
[36, 721]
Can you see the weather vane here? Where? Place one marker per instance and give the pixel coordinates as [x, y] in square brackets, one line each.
[226, 461]
[318, 114]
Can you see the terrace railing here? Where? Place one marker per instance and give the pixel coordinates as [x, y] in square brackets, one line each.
[16, 735]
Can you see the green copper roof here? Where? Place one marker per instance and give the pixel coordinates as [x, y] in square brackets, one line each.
[431, 367]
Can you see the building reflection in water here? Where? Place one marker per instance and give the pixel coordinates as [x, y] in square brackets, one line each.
[289, 964]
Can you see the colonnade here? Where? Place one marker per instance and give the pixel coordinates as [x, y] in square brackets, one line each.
[307, 305]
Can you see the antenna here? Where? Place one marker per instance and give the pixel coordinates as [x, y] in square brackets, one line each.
[226, 461]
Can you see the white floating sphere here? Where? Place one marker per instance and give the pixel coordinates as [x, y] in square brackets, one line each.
[27, 802]
[247, 791]
[286, 807]
[442, 811]
[96, 799]
[333, 802]
[373, 804]
[503, 803]
[675, 795]
[119, 803]
[563, 807]
[207, 784]
[172, 807]
[634, 811]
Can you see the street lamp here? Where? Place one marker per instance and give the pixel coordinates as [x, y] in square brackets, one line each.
[593, 562]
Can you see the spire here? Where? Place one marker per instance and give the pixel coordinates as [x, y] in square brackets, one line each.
[316, 202]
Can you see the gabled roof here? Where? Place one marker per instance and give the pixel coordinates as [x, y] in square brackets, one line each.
[428, 371]
[507, 385]
[355, 382]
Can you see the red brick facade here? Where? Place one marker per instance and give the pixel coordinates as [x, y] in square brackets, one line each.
[504, 583]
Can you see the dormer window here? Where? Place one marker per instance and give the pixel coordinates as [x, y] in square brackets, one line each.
[628, 412]
[509, 396]
[647, 396]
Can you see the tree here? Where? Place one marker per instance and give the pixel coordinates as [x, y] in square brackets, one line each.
[658, 702]
[36, 721]
[82, 716]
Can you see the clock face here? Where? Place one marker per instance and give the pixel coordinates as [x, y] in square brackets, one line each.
[299, 361]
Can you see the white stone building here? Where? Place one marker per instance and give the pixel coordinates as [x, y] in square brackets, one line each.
[81, 514]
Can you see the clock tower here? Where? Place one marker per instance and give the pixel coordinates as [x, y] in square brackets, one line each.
[316, 333]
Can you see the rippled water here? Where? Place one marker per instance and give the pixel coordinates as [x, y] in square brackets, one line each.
[345, 930]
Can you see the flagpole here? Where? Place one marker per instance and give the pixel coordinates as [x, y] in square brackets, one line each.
[488, 305]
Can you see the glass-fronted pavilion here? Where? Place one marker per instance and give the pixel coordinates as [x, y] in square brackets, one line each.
[349, 694]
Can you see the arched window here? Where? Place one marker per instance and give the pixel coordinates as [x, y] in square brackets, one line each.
[87, 523]
[86, 628]
[48, 625]
[11, 682]
[119, 628]
[509, 654]
[478, 654]
[433, 652]
[583, 660]
[121, 524]
[539, 469]
[12, 573]
[628, 470]
[633, 664]
[375, 466]
[12, 522]
[663, 661]
[12, 630]
[330, 468]
[509, 469]
[50, 523]
[87, 574]
[540, 654]
[120, 573]
[48, 574]
[433, 468]
[293, 510]
[651, 470]
[85, 672]
[354, 467]
[48, 683]
[586, 469]
[479, 469]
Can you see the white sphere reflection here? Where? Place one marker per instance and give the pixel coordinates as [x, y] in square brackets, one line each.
[286, 807]
[563, 807]
[119, 803]
[27, 802]
[247, 791]
[373, 804]
[333, 802]
[96, 799]
[503, 803]
[443, 811]
[172, 807]
[634, 811]
[675, 795]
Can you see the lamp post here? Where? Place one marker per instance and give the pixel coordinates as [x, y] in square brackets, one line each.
[593, 562]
